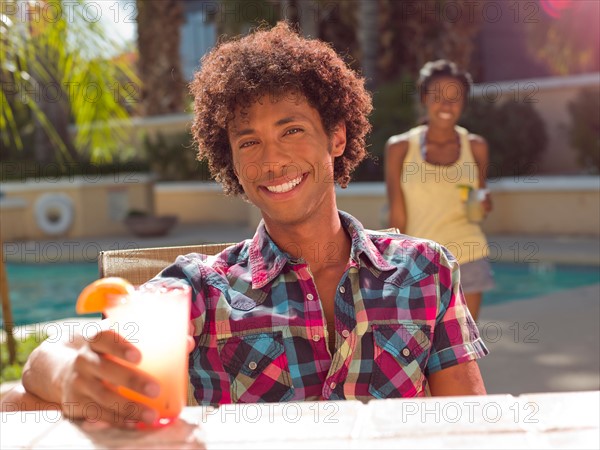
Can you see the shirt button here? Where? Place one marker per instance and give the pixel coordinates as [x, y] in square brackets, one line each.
[252, 365]
[406, 352]
[316, 338]
[342, 289]
[332, 385]
[345, 333]
[310, 297]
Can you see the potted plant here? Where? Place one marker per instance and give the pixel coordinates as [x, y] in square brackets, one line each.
[144, 224]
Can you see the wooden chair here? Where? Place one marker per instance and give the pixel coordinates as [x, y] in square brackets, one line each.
[138, 265]
[141, 264]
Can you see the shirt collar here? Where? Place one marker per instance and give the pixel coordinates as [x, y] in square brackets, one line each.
[362, 243]
[267, 260]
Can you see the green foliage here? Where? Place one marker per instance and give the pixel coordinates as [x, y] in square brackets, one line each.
[515, 133]
[22, 169]
[11, 372]
[393, 113]
[172, 157]
[584, 130]
[249, 15]
[567, 42]
[61, 63]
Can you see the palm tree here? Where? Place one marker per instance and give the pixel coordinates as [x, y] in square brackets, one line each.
[368, 32]
[412, 33]
[58, 64]
[159, 30]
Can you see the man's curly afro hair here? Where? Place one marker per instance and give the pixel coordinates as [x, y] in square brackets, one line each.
[276, 62]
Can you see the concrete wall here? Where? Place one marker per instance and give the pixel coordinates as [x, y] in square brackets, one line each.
[99, 204]
[532, 206]
[541, 205]
[196, 202]
[546, 206]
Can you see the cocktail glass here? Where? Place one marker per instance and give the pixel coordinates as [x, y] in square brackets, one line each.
[155, 320]
[474, 205]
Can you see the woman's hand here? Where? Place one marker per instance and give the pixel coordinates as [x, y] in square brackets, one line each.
[487, 203]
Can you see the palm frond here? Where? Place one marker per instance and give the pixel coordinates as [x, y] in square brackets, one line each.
[70, 56]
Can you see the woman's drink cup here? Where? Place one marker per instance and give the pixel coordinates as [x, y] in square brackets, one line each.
[156, 322]
[474, 205]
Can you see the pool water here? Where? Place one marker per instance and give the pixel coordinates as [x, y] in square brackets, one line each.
[522, 281]
[45, 292]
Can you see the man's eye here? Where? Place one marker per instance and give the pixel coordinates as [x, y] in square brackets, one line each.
[247, 144]
[294, 131]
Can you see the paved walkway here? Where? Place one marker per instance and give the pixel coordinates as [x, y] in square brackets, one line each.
[544, 344]
[507, 248]
[86, 249]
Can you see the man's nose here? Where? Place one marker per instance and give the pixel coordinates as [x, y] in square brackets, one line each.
[275, 151]
[275, 158]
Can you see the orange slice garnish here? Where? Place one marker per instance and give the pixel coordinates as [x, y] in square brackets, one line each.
[101, 294]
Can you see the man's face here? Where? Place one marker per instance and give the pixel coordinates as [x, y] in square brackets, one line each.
[283, 157]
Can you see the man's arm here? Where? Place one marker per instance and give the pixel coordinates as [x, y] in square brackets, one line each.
[461, 379]
[456, 344]
[18, 399]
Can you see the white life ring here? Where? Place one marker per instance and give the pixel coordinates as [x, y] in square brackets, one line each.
[54, 213]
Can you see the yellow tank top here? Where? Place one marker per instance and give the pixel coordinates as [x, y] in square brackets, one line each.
[434, 207]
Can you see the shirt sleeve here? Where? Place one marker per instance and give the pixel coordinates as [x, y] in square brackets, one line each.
[455, 338]
[186, 270]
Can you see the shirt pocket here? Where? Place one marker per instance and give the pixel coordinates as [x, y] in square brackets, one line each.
[400, 354]
[257, 367]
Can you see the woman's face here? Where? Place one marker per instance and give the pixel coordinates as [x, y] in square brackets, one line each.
[444, 101]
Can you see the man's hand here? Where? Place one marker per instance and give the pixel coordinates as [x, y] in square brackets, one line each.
[89, 383]
[81, 374]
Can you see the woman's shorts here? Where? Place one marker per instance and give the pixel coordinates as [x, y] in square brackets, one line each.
[476, 276]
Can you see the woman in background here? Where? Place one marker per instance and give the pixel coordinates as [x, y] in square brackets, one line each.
[436, 178]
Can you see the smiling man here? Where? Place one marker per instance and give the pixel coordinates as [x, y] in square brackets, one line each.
[314, 307]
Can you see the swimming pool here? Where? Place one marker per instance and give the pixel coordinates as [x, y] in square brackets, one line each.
[45, 292]
[522, 281]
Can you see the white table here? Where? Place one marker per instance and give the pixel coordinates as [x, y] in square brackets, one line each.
[552, 420]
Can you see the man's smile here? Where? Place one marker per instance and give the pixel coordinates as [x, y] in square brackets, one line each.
[285, 187]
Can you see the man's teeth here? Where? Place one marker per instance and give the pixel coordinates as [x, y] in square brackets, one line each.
[285, 187]
[445, 115]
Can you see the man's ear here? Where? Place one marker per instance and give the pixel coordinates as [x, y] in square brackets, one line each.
[338, 139]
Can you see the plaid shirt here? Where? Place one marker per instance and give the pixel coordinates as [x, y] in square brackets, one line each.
[261, 334]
